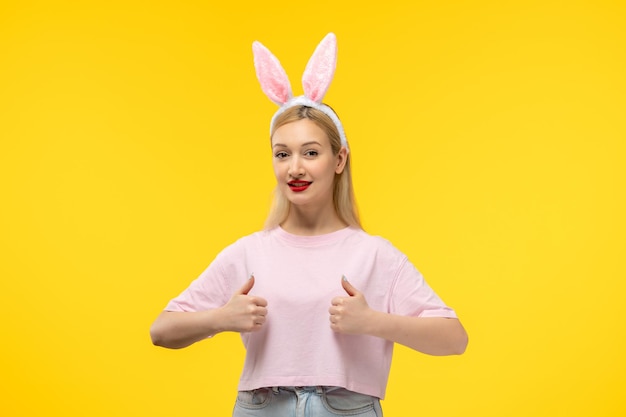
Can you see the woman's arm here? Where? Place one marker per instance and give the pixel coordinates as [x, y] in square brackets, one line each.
[430, 335]
[242, 313]
[175, 329]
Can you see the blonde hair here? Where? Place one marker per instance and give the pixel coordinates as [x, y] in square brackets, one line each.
[343, 191]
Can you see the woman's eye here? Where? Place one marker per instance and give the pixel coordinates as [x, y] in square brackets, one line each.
[311, 153]
[280, 155]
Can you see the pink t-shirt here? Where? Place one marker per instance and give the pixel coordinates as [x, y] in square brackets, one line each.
[299, 276]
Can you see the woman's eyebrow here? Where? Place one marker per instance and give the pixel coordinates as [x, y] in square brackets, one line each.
[310, 143]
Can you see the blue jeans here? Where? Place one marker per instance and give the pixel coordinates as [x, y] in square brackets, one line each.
[305, 402]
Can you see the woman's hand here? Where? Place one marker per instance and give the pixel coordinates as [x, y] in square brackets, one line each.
[243, 312]
[349, 314]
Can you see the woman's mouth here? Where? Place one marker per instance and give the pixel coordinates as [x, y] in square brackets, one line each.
[298, 186]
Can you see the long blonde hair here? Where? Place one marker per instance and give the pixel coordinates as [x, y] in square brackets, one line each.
[343, 191]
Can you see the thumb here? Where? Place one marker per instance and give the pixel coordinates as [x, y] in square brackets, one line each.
[245, 289]
[348, 287]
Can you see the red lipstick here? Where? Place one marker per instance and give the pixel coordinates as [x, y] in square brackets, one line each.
[298, 186]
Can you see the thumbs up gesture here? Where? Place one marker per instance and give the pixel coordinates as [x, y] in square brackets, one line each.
[243, 312]
[349, 314]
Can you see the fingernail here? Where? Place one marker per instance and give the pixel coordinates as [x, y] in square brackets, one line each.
[343, 278]
[251, 275]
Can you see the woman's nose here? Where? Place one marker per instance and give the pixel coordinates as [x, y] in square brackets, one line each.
[296, 169]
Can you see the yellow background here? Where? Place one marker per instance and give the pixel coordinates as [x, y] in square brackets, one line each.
[488, 141]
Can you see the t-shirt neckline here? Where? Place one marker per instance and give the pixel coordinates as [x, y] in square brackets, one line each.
[314, 240]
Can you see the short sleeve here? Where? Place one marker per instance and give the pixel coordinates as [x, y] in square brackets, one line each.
[210, 290]
[412, 296]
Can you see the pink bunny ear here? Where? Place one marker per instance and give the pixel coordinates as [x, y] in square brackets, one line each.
[273, 78]
[320, 70]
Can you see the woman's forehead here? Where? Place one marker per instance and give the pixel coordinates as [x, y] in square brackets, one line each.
[300, 133]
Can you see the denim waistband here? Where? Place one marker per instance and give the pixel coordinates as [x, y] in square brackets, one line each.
[317, 389]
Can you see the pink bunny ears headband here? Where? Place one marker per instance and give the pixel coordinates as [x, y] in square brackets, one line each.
[316, 79]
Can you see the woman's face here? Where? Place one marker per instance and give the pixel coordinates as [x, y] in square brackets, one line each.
[304, 164]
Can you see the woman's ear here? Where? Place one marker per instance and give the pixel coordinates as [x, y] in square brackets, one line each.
[342, 159]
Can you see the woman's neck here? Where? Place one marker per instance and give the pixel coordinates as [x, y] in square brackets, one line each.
[301, 222]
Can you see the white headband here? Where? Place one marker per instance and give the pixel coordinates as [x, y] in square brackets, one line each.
[316, 79]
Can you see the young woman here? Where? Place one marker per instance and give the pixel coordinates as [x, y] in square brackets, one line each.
[319, 303]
